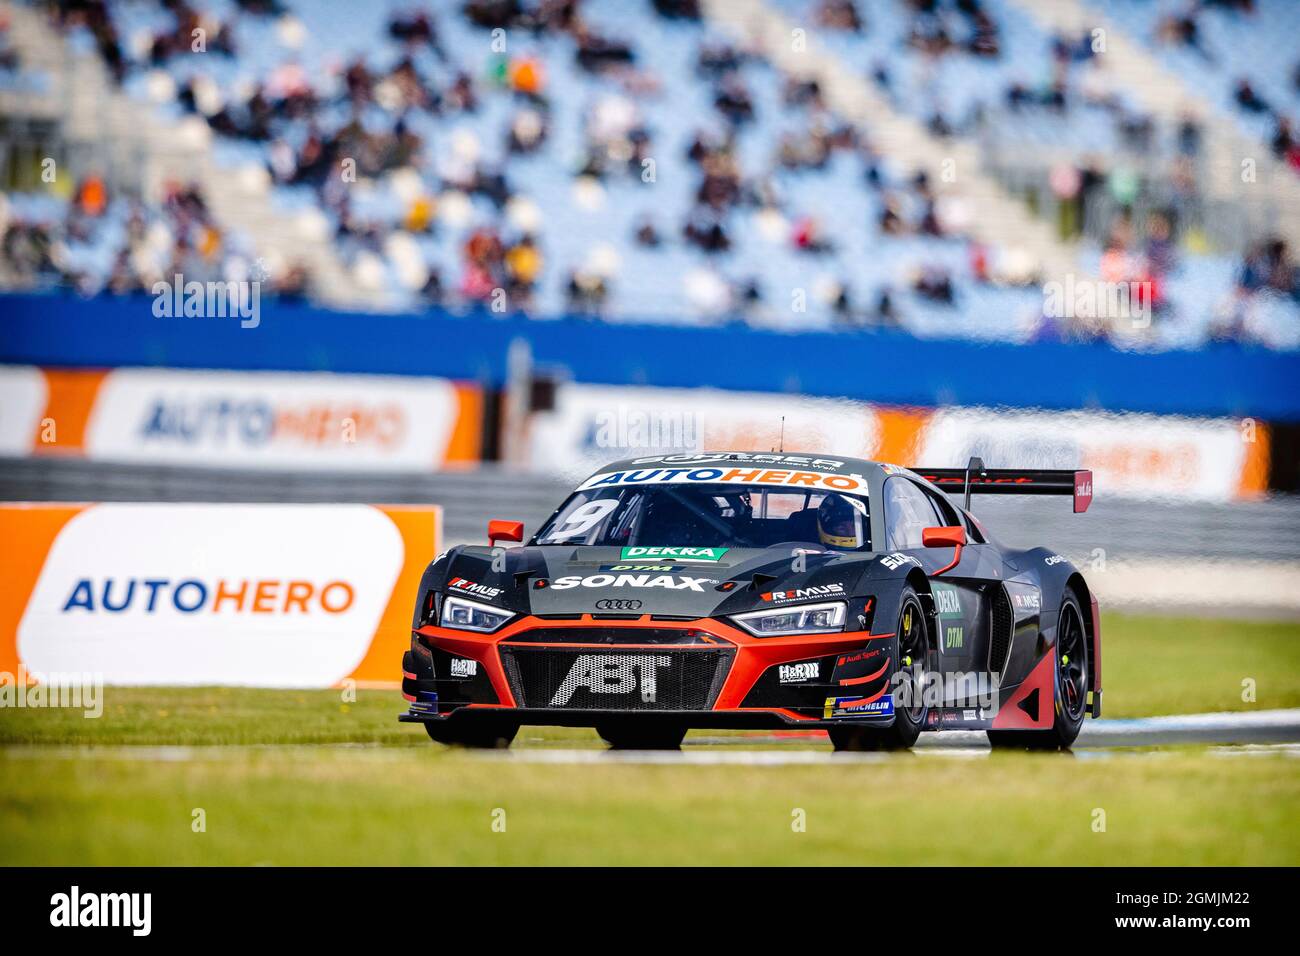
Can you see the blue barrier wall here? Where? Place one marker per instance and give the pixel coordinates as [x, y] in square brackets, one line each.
[880, 366]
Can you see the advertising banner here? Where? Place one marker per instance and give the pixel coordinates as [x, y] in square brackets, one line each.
[1139, 456]
[592, 425]
[23, 399]
[241, 419]
[1130, 455]
[254, 595]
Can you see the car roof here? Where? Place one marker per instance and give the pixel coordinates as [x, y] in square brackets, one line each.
[833, 464]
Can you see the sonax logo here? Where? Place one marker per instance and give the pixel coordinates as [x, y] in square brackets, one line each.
[632, 581]
[262, 595]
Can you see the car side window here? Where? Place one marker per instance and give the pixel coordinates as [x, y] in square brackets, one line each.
[973, 531]
[951, 517]
[908, 512]
[948, 516]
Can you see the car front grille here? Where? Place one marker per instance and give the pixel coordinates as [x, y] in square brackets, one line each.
[614, 635]
[633, 679]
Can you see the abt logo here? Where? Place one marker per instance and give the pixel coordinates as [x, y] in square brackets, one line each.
[612, 674]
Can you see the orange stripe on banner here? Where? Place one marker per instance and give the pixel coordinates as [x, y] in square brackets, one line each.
[466, 442]
[421, 530]
[72, 395]
[1255, 469]
[900, 434]
[28, 533]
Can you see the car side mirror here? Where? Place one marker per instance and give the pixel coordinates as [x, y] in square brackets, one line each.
[505, 531]
[954, 537]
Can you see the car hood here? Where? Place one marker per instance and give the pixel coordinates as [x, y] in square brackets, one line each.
[555, 579]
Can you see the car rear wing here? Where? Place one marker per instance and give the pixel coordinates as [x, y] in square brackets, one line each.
[1012, 481]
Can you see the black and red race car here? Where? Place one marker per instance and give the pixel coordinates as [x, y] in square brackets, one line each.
[751, 590]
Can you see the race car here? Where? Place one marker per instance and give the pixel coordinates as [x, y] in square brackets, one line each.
[753, 590]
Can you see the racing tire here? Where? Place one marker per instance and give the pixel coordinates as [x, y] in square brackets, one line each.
[1070, 697]
[632, 737]
[914, 644]
[475, 737]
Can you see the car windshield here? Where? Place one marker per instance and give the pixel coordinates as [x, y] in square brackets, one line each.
[711, 516]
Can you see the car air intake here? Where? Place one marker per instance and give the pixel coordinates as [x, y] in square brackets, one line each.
[613, 635]
[1000, 625]
[643, 678]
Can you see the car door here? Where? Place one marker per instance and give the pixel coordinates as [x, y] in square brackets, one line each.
[962, 594]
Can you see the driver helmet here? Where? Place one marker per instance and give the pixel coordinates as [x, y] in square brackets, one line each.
[837, 525]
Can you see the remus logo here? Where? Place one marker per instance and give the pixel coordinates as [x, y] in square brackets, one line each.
[74, 908]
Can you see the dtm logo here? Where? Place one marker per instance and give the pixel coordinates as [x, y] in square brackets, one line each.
[612, 674]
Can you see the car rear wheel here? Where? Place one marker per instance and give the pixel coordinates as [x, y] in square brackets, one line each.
[909, 714]
[632, 737]
[1071, 688]
[475, 736]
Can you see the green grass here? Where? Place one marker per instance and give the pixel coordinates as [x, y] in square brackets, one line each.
[1161, 665]
[1152, 666]
[430, 806]
[70, 792]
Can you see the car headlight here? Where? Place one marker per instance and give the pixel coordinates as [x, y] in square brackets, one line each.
[471, 616]
[805, 619]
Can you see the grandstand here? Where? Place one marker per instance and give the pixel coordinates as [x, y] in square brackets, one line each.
[922, 165]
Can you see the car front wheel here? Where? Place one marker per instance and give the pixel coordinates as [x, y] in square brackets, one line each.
[633, 737]
[474, 736]
[910, 714]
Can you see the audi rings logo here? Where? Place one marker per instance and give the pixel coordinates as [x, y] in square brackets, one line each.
[613, 604]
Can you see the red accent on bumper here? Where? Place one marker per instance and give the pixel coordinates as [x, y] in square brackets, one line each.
[870, 677]
[753, 654]
[1011, 716]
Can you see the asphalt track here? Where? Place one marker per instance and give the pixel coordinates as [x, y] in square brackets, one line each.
[1259, 732]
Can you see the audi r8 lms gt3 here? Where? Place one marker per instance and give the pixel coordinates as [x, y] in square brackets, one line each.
[749, 590]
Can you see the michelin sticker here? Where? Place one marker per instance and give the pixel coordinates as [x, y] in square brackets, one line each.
[858, 707]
